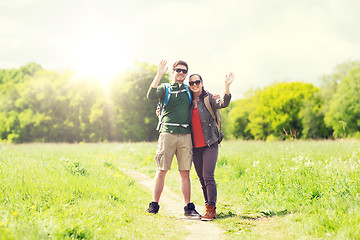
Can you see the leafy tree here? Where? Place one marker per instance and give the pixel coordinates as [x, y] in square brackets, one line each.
[344, 111]
[10, 117]
[46, 106]
[278, 110]
[239, 118]
[225, 119]
[258, 124]
[88, 117]
[135, 114]
[312, 116]
[329, 83]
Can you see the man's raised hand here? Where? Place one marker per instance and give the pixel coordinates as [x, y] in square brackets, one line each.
[162, 67]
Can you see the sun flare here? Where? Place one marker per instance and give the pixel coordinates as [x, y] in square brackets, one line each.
[100, 56]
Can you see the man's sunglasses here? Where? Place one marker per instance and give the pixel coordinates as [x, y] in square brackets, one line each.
[197, 82]
[184, 71]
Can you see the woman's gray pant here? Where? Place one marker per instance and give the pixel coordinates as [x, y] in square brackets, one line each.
[205, 159]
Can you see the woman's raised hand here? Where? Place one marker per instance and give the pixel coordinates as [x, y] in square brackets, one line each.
[229, 78]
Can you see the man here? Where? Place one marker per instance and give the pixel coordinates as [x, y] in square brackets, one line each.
[175, 135]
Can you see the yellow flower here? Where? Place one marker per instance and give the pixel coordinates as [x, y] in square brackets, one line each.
[15, 213]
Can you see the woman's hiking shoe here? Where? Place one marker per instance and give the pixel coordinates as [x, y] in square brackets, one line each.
[153, 207]
[190, 211]
[210, 213]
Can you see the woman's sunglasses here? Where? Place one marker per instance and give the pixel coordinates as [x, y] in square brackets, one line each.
[197, 82]
[184, 71]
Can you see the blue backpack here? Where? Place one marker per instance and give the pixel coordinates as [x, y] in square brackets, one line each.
[168, 93]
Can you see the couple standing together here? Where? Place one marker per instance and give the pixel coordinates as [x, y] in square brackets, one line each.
[187, 130]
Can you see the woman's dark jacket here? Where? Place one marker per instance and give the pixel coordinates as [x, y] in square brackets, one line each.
[209, 128]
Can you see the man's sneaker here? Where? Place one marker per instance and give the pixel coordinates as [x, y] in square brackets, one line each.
[190, 211]
[153, 207]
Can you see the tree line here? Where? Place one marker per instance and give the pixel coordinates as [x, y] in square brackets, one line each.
[40, 105]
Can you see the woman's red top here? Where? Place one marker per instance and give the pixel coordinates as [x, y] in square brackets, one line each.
[198, 135]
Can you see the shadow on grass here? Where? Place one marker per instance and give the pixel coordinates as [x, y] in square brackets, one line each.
[272, 213]
[223, 215]
[236, 222]
[261, 215]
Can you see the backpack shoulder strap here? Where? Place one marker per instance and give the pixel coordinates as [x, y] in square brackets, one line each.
[188, 91]
[163, 105]
[208, 106]
[167, 94]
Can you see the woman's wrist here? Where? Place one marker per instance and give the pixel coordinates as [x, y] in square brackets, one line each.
[227, 91]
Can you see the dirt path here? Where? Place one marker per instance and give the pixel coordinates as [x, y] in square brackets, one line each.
[173, 205]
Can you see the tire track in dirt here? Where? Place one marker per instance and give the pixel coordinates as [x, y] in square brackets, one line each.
[173, 205]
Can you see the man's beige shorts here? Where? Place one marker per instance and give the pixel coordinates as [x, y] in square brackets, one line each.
[170, 144]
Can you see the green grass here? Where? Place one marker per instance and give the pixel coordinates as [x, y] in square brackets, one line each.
[266, 190]
[282, 190]
[297, 190]
[74, 192]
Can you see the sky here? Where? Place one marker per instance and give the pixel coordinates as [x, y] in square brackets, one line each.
[263, 42]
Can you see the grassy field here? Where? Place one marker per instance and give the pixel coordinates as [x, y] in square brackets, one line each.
[296, 190]
[276, 190]
[67, 191]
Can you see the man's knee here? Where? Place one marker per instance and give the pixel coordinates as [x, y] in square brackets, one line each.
[161, 173]
[184, 173]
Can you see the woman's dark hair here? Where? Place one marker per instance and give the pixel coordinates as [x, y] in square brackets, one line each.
[195, 74]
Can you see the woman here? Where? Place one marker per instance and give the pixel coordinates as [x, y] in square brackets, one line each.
[206, 138]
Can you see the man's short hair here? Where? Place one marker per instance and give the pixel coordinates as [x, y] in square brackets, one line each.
[180, 62]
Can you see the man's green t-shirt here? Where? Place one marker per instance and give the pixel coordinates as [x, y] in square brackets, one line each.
[177, 110]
